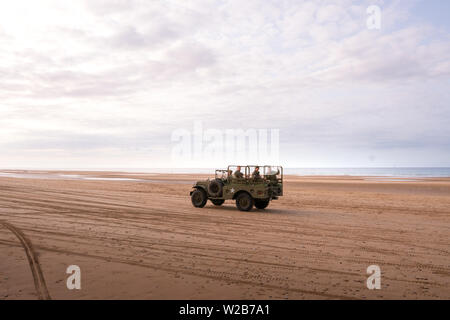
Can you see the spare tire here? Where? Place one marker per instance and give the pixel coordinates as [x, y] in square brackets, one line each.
[215, 188]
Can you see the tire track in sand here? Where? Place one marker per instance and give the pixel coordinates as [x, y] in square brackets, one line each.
[38, 276]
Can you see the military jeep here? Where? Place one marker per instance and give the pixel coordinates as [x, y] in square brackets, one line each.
[248, 191]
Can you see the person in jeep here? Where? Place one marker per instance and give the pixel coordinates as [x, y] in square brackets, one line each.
[238, 174]
[256, 175]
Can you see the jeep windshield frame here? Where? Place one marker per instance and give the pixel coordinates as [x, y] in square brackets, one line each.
[222, 172]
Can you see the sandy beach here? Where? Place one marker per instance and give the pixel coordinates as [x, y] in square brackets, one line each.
[137, 236]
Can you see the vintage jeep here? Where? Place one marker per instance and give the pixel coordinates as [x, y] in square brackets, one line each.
[248, 190]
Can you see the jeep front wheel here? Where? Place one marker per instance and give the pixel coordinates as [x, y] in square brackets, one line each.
[199, 198]
[261, 203]
[244, 202]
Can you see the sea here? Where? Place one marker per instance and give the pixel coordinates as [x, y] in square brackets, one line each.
[410, 172]
[382, 171]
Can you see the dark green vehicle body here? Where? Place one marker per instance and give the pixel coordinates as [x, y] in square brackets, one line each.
[247, 191]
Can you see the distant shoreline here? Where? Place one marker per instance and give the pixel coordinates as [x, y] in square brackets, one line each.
[378, 174]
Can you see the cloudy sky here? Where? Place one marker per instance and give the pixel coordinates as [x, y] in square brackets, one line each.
[105, 83]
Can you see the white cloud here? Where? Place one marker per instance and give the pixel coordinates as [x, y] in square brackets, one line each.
[103, 74]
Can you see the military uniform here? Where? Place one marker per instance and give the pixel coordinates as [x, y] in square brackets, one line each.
[256, 175]
[238, 174]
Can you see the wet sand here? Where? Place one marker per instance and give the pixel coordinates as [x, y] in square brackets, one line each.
[137, 236]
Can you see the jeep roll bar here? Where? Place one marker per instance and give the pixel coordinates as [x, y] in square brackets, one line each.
[247, 173]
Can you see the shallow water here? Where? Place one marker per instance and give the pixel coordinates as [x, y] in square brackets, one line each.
[53, 176]
[376, 173]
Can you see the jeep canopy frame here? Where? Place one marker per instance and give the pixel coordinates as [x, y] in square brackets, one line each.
[267, 171]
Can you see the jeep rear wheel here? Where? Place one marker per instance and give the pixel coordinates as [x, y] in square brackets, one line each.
[261, 203]
[244, 202]
[217, 202]
[198, 198]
